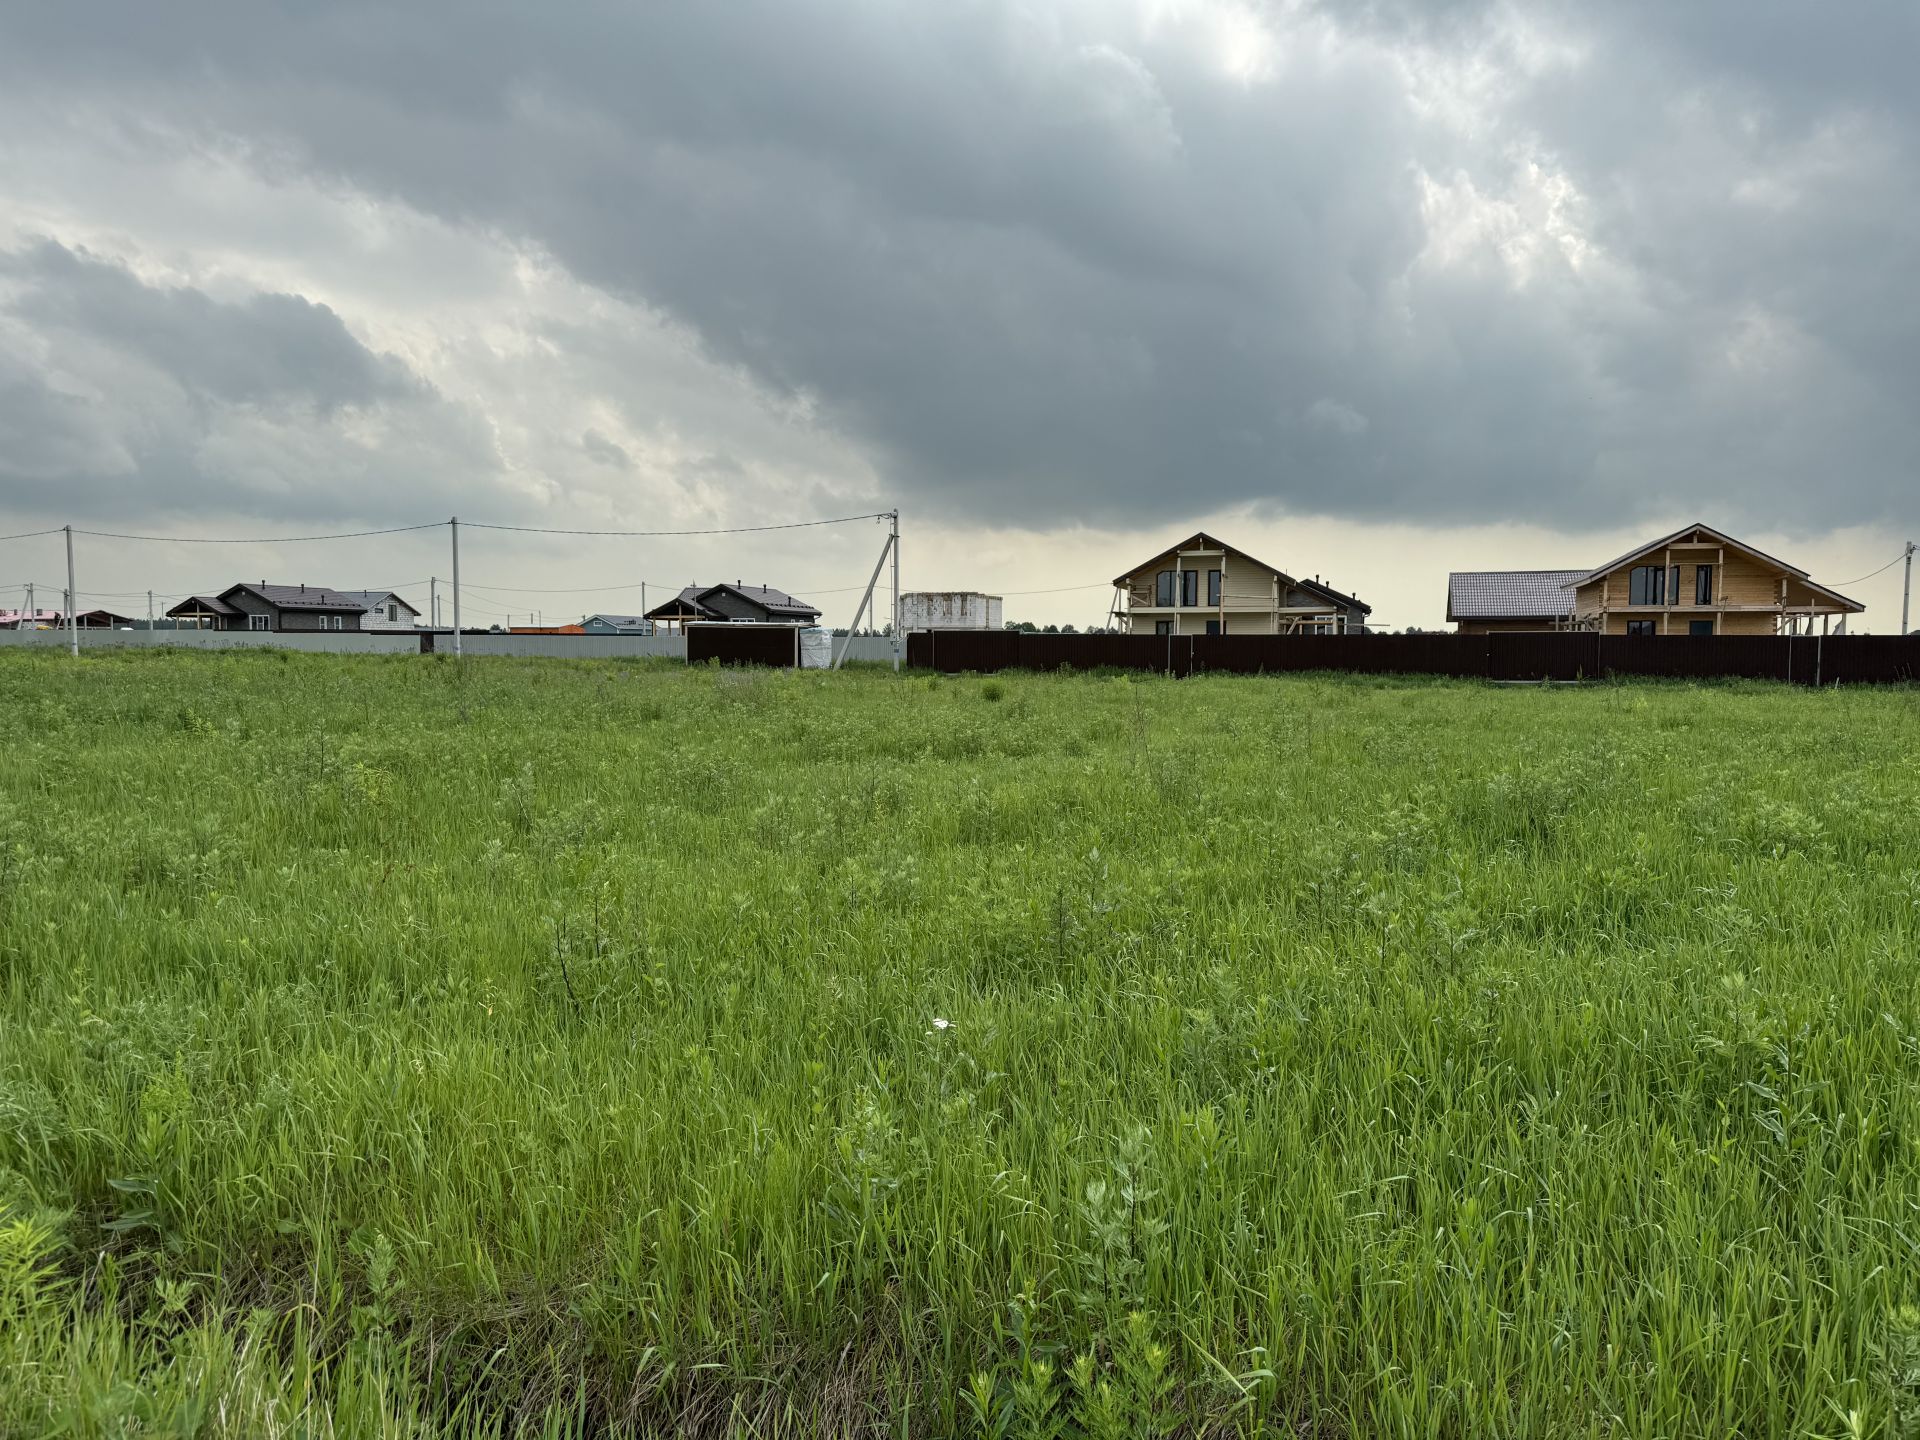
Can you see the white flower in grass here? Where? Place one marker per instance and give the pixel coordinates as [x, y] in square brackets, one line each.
[939, 1024]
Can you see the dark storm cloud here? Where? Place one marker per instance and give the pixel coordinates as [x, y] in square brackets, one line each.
[118, 397]
[1062, 264]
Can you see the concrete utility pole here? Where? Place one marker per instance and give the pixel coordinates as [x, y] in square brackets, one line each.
[898, 640]
[866, 598]
[1906, 591]
[454, 523]
[73, 599]
[149, 612]
[32, 614]
[433, 601]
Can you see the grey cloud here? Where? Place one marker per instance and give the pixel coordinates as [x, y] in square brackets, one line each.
[1053, 265]
[121, 398]
[603, 451]
[259, 349]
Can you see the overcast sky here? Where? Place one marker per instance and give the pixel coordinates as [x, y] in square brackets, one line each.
[1375, 290]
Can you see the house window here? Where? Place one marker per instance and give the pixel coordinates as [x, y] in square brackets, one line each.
[1163, 588]
[1189, 587]
[1163, 627]
[1673, 585]
[393, 611]
[1699, 627]
[259, 622]
[1640, 627]
[1647, 585]
[1213, 587]
[1703, 584]
[1213, 627]
[339, 622]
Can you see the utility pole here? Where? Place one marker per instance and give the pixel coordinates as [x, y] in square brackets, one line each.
[433, 601]
[149, 612]
[73, 599]
[454, 523]
[894, 542]
[32, 614]
[1906, 592]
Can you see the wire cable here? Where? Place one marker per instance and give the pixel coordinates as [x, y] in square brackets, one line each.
[719, 530]
[31, 534]
[256, 539]
[1871, 573]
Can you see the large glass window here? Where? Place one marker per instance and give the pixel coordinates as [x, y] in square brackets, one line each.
[1647, 585]
[1163, 588]
[1703, 584]
[1213, 627]
[1640, 627]
[259, 622]
[1213, 587]
[1189, 587]
[1699, 627]
[1163, 627]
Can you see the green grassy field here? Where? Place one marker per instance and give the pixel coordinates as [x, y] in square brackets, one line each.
[395, 1047]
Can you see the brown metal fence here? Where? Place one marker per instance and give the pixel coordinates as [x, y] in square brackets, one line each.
[1868, 659]
[1543, 655]
[744, 644]
[1563, 655]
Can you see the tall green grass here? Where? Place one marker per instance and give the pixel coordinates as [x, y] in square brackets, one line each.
[390, 1046]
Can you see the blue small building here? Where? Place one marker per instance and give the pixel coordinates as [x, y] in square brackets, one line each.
[617, 625]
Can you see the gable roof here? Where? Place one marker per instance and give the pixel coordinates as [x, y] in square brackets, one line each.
[1199, 540]
[374, 599]
[774, 602]
[1510, 594]
[687, 600]
[299, 597]
[1722, 538]
[691, 602]
[202, 605]
[618, 622]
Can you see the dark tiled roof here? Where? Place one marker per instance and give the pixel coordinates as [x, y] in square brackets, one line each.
[767, 598]
[774, 602]
[1510, 594]
[203, 605]
[373, 599]
[1338, 597]
[299, 597]
[621, 622]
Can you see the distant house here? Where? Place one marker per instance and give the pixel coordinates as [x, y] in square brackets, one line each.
[101, 620]
[384, 610]
[616, 625]
[283, 608]
[1481, 601]
[35, 619]
[1203, 586]
[759, 603]
[1696, 581]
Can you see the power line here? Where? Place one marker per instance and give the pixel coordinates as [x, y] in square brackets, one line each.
[718, 530]
[31, 534]
[255, 539]
[1062, 589]
[1871, 573]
